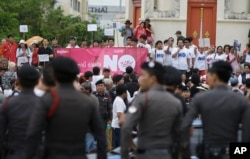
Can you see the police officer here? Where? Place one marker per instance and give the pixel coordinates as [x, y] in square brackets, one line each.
[158, 113]
[105, 106]
[221, 112]
[65, 116]
[16, 112]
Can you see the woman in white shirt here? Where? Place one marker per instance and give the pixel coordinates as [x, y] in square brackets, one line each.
[157, 53]
[219, 55]
[200, 62]
[23, 53]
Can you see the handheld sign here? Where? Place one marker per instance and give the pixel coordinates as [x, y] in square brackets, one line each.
[4, 63]
[43, 58]
[109, 32]
[92, 27]
[21, 60]
[23, 28]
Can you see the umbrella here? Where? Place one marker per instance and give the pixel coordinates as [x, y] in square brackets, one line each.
[34, 38]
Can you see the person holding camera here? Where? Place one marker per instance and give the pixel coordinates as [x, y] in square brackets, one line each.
[126, 31]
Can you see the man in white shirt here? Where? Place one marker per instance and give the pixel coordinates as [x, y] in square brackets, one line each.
[119, 108]
[72, 43]
[143, 44]
[168, 48]
[200, 62]
[192, 50]
[96, 77]
[181, 58]
[157, 53]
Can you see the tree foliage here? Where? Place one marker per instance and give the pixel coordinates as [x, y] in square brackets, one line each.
[43, 20]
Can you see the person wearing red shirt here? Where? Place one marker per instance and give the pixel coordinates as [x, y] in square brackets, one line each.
[9, 49]
[140, 30]
[35, 59]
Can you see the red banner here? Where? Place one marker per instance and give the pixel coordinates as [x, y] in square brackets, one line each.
[116, 59]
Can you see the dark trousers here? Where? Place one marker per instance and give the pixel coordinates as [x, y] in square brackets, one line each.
[154, 154]
[116, 136]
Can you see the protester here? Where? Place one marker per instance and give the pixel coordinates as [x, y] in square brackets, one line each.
[126, 31]
[1, 48]
[45, 50]
[168, 48]
[72, 43]
[23, 51]
[9, 76]
[95, 44]
[191, 50]
[15, 114]
[68, 122]
[149, 31]
[96, 77]
[200, 61]
[140, 30]
[9, 49]
[220, 127]
[84, 43]
[157, 54]
[181, 58]
[235, 87]
[220, 55]
[233, 60]
[143, 44]
[179, 36]
[128, 41]
[34, 56]
[134, 42]
[106, 73]
[54, 44]
[119, 108]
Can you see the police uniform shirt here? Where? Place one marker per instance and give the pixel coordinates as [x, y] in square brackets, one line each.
[159, 115]
[221, 112]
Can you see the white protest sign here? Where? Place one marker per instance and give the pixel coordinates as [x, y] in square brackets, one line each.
[201, 42]
[108, 32]
[207, 42]
[21, 60]
[92, 27]
[43, 58]
[116, 25]
[23, 28]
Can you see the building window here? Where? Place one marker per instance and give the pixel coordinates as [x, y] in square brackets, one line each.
[78, 6]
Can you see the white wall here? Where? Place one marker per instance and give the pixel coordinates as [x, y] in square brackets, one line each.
[229, 30]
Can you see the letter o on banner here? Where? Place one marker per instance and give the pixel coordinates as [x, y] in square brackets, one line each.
[125, 61]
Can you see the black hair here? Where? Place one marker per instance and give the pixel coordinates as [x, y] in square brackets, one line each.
[248, 83]
[129, 70]
[48, 75]
[144, 37]
[248, 45]
[165, 41]
[96, 70]
[129, 37]
[219, 47]
[158, 42]
[229, 47]
[28, 84]
[88, 74]
[247, 64]
[154, 69]
[187, 39]
[222, 69]
[121, 89]
[134, 39]
[195, 78]
[10, 35]
[172, 76]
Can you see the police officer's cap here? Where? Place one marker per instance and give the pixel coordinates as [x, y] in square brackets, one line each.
[65, 69]
[28, 73]
[99, 82]
[154, 68]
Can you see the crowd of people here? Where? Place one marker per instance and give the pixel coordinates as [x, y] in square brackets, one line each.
[51, 110]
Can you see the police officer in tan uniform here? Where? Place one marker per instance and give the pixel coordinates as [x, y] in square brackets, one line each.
[158, 115]
[221, 113]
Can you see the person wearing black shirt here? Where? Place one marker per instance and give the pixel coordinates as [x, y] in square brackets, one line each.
[45, 49]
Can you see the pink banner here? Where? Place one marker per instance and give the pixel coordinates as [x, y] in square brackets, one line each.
[116, 59]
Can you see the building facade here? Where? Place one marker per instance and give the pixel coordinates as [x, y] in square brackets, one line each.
[74, 7]
[222, 21]
[105, 15]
